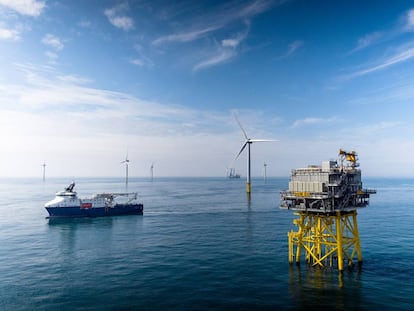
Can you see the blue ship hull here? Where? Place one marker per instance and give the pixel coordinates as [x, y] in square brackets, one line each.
[76, 211]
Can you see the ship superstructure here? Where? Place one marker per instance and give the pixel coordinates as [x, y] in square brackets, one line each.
[326, 199]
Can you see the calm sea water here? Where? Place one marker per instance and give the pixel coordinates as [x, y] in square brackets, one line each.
[200, 245]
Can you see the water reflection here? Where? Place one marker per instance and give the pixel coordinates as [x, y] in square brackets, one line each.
[325, 288]
[75, 235]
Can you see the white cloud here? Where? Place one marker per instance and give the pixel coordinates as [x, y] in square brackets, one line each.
[9, 34]
[409, 20]
[400, 57]
[312, 121]
[399, 93]
[295, 45]
[116, 18]
[225, 52]
[216, 20]
[223, 56]
[25, 7]
[123, 22]
[141, 60]
[368, 40]
[137, 62]
[405, 24]
[73, 79]
[292, 48]
[230, 43]
[82, 129]
[52, 41]
[255, 7]
[235, 41]
[185, 36]
[210, 23]
[48, 93]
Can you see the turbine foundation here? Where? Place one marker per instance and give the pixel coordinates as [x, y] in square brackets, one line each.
[325, 241]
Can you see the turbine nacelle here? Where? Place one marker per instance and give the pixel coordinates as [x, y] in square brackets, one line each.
[126, 161]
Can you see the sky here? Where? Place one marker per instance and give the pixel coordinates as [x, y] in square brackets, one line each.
[84, 84]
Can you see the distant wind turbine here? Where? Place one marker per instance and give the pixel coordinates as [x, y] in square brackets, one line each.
[264, 167]
[152, 171]
[126, 161]
[247, 143]
[44, 171]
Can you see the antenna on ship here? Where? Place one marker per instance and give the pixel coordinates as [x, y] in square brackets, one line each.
[152, 171]
[44, 171]
[247, 143]
[126, 161]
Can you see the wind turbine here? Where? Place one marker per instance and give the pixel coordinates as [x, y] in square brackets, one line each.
[126, 161]
[152, 171]
[44, 171]
[264, 167]
[247, 143]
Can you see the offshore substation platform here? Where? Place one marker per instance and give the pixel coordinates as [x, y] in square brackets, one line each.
[326, 198]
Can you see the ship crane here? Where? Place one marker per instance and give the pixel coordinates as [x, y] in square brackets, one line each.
[326, 198]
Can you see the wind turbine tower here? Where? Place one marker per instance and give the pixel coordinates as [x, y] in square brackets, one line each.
[126, 161]
[247, 143]
[44, 171]
[264, 172]
[152, 171]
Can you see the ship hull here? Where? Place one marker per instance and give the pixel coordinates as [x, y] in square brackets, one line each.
[76, 211]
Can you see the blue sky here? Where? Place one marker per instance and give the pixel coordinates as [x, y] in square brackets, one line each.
[82, 83]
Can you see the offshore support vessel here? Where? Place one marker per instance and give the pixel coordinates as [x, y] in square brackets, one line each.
[67, 204]
[326, 198]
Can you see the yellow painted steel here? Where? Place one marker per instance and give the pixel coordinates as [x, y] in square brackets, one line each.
[327, 240]
[302, 194]
[248, 187]
[349, 156]
[339, 233]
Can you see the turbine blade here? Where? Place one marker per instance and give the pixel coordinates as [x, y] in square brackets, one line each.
[241, 150]
[241, 127]
[262, 140]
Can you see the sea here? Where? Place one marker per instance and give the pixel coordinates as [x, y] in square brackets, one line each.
[201, 244]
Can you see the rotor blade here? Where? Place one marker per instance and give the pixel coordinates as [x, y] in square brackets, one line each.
[262, 140]
[241, 127]
[241, 150]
